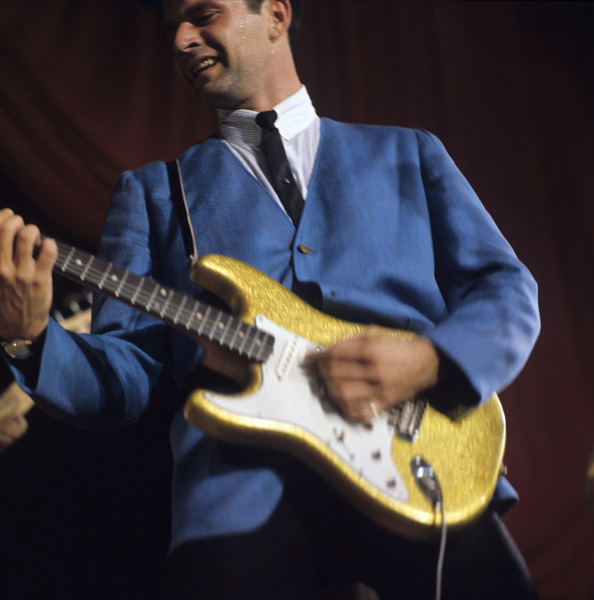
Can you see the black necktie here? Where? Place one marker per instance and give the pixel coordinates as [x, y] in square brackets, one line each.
[280, 171]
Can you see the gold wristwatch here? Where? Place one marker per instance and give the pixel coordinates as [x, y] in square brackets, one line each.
[18, 348]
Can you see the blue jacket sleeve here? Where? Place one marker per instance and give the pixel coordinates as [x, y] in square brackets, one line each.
[491, 297]
[96, 382]
[106, 381]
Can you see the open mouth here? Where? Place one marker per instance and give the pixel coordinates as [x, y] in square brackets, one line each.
[203, 64]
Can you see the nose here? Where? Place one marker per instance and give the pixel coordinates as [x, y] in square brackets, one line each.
[186, 37]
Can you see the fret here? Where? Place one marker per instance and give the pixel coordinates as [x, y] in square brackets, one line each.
[113, 282]
[243, 336]
[121, 285]
[67, 260]
[264, 350]
[236, 332]
[261, 350]
[162, 292]
[179, 309]
[137, 291]
[255, 342]
[199, 314]
[225, 330]
[152, 297]
[164, 303]
[104, 276]
[76, 266]
[83, 275]
[192, 315]
[211, 334]
[203, 319]
[177, 299]
[130, 286]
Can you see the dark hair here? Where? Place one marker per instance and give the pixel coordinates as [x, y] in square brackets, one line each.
[253, 5]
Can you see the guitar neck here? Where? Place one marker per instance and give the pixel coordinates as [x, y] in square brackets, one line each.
[191, 316]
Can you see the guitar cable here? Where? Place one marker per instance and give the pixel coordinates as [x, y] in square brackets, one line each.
[429, 484]
[441, 556]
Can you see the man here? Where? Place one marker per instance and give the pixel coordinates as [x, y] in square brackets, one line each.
[400, 240]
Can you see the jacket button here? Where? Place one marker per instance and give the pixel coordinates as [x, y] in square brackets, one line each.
[304, 249]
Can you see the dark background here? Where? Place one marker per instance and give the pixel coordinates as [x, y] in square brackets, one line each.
[87, 90]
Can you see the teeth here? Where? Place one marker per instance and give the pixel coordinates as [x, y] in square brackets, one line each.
[203, 64]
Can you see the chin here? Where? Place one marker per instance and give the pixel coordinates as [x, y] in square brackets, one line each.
[219, 99]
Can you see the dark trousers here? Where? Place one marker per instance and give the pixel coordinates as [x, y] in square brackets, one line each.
[314, 543]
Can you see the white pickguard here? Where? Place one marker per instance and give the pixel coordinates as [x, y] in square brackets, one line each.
[289, 395]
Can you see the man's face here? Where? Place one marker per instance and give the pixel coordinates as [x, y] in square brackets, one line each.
[222, 49]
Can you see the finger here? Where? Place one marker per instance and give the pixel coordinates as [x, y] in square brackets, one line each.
[330, 368]
[12, 427]
[348, 349]
[10, 224]
[48, 253]
[5, 213]
[363, 411]
[316, 359]
[355, 401]
[348, 391]
[365, 349]
[356, 350]
[27, 238]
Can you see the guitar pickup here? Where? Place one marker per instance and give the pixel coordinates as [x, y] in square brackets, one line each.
[406, 418]
[288, 358]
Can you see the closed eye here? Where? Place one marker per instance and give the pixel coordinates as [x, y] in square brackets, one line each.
[197, 15]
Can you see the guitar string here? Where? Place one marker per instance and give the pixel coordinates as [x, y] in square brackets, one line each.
[80, 263]
[145, 291]
[145, 297]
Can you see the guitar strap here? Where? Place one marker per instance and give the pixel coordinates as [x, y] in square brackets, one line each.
[178, 197]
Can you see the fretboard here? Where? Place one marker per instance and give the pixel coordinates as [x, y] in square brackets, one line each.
[181, 312]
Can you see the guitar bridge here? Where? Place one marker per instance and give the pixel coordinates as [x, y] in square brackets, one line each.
[406, 418]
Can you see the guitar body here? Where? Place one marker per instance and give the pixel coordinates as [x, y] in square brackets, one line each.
[281, 406]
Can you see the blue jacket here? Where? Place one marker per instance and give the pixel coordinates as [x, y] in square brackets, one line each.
[397, 237]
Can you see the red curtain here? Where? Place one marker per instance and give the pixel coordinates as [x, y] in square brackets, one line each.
[87, 90]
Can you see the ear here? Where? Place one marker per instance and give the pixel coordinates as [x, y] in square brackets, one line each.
[281, 14]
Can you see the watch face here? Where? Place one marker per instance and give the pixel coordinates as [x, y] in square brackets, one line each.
[18, 348]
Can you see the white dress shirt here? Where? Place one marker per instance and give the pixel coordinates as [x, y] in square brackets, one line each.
[299, 126]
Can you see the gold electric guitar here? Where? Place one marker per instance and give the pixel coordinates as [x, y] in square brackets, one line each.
[396, 469]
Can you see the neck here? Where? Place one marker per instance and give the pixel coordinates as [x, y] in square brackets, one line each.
[280, 81]
[275, 90]
[274, 99]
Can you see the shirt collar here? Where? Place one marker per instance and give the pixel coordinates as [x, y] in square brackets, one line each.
[295, 114]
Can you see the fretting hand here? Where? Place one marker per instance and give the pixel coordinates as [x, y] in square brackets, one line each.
[25, 280]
